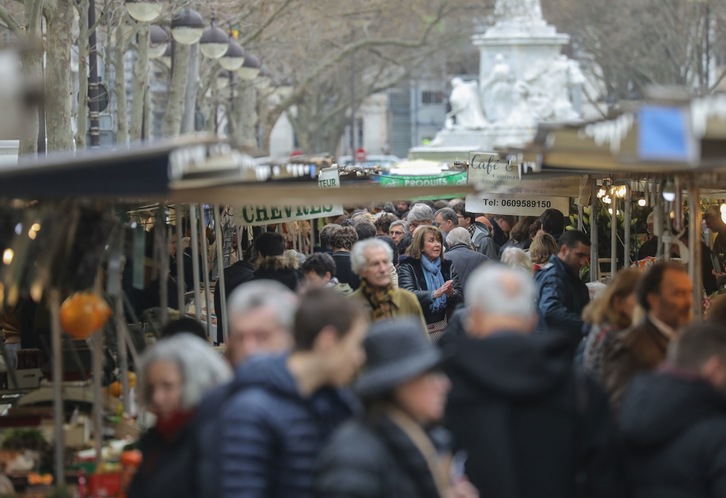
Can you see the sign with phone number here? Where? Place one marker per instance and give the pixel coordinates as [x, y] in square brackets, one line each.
[522, 205]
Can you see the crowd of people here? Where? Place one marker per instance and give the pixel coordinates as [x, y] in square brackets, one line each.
[431, 352]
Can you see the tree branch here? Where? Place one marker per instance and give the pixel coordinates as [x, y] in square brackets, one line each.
[10, 21]
[255, 34]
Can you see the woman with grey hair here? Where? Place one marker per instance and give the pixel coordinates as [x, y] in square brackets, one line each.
[517, 258]
[175, 374]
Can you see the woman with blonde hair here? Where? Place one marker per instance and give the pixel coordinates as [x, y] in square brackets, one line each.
[608, 315]
[542, 248]
[432, 278]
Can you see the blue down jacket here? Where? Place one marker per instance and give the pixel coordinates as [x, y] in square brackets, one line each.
[266, 436]
[562, 297]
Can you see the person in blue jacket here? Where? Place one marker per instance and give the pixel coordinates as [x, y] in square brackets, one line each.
[562, 294]
[270, 431]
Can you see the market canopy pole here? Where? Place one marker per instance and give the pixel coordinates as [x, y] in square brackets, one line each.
[628, 211]
[220, 273]
[58, 412]
[193, 227]
[205, 267]
[594, 261]
[694, 241]
[179, 217]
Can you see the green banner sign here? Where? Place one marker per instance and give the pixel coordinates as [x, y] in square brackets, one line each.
[423, 181]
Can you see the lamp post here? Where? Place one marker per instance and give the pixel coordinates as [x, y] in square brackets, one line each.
[187, 27]
[143, 10]
[214, 42]
[233, 58]
[158, 42]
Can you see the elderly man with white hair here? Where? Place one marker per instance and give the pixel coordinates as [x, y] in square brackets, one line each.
[371, 260]
[420, 214]
[528, 423]
[261, 314]
[462, 255]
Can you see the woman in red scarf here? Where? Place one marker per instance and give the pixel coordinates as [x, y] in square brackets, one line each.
[175, 374]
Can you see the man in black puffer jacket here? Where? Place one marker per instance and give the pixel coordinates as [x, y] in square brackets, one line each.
[281, 410]
[674, 420]
[562, 295]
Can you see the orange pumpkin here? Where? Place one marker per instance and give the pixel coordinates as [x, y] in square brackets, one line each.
[115, 389]
[83, 313]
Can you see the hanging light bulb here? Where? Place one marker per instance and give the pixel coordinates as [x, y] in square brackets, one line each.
[723, 212]
[669, 191]
[607, 199]
[642, 202]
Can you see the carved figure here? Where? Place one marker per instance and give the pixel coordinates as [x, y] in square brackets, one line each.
[518, 10]
[498, 91]
[465, 106]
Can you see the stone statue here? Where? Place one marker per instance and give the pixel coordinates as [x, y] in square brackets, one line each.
[521, 10]
[498, 91]
[550, 83]
[521, 114]
[465, 106]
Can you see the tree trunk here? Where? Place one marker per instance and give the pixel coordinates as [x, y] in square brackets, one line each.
[190, 94]
[82, 117]
[243, 114]
[141, 79]
[177, 90]
[119, 85]
[58, 76]
[32, 61]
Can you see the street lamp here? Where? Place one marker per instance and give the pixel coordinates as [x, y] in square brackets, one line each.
[233, 59]
[187, 27]
[158, 42]
[143, 10]
[264, 81]
[214, 42]
[166, 56]
[250, 68]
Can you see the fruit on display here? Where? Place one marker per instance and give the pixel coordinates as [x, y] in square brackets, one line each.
[83, 313]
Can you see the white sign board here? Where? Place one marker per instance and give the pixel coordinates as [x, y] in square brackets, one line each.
[491, 174]
[267, 215]
[522, 205]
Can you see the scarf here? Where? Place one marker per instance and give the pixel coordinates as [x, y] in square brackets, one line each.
[381, 300]
[434, 280]
[415, 452]
[170, 426]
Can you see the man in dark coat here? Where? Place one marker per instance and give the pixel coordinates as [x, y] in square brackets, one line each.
[461, 254]
[531, 427]
[562, 294]
[674, 420]
[342, 241]
[269, 433]
[665, 293]
[272, 263]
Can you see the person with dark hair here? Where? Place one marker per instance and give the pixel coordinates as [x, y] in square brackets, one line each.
[562, 294]
[717, 311]
[383, 223]
[271, 430]
[326, 235]
[319, 271]
[665, 292]
[272, 263]
[234, 275]
[432, 278]
[481, 237]
[342, 242]
[402, 208]
[396, 449]
[519, 234]
[553, 222]
[365, 229]
[185, 324]
[673, 420]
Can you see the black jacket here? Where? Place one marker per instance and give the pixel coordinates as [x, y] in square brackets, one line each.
[167, 467]
[411, 277]
[562, 297]
[528, 424]
[675, 434]
[234, 276]
[465, 261]
[279, 268]
[367, 459]
[268, 436]
[344, 270]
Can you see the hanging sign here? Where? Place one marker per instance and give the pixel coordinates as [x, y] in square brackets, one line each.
[495, 175]
[519, 204]
[423, 180]
[267, 215]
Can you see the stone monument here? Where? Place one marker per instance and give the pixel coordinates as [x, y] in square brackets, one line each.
[523, 80]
